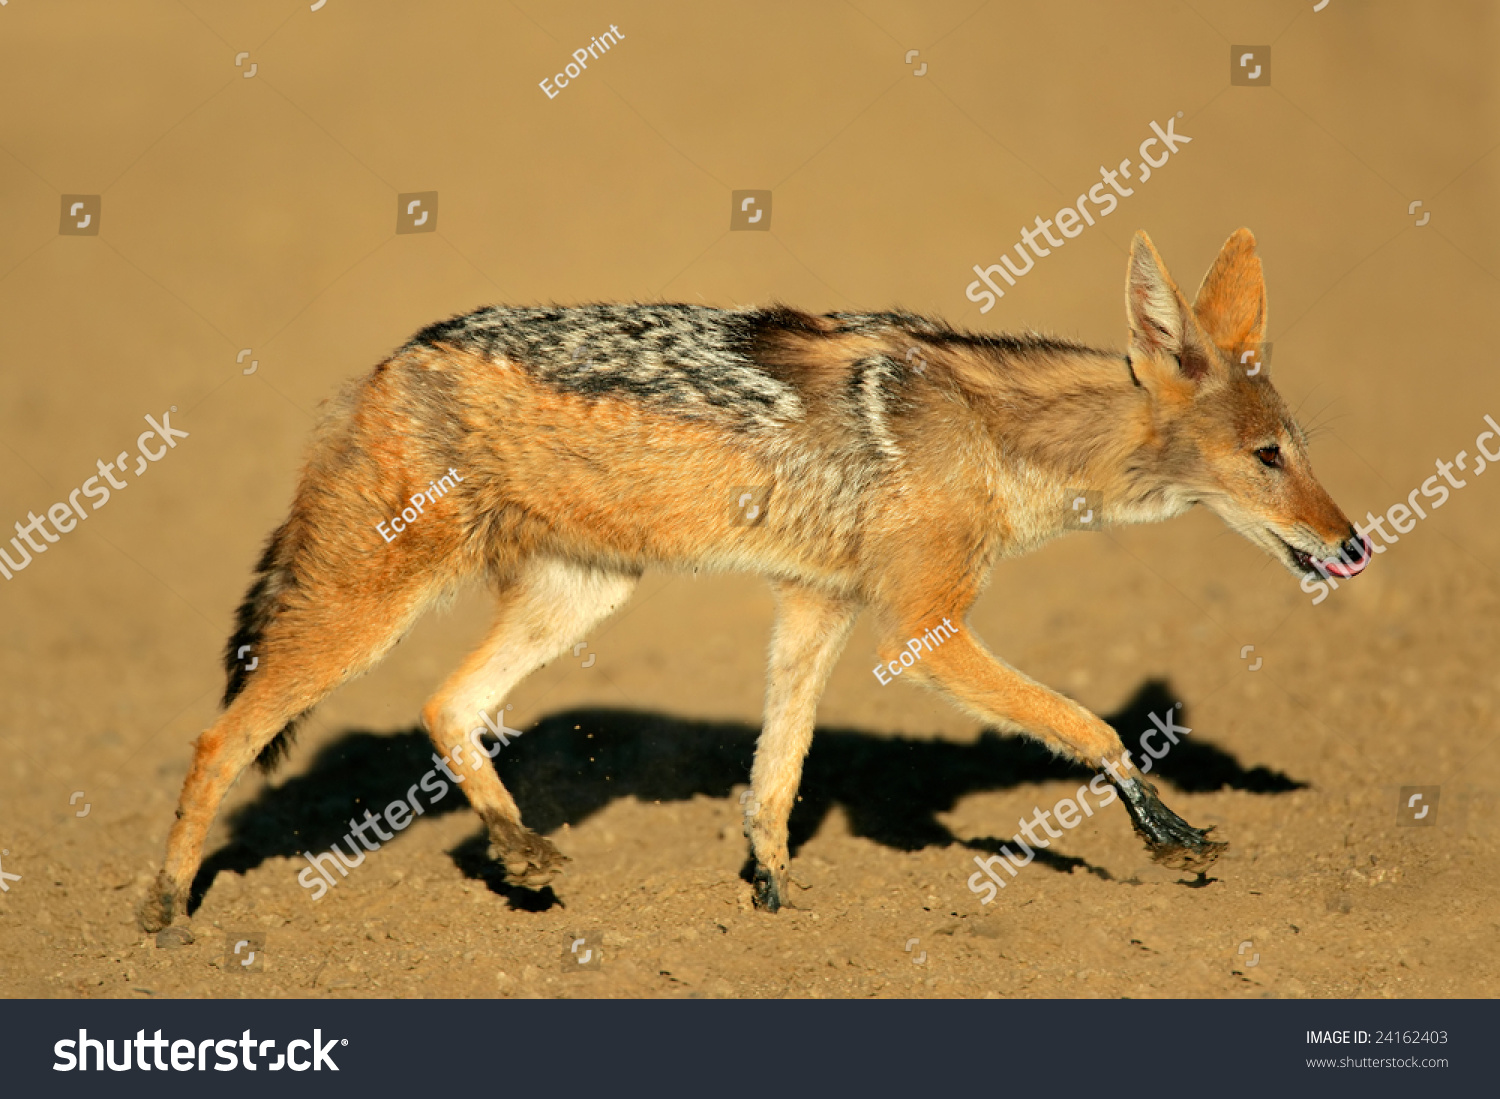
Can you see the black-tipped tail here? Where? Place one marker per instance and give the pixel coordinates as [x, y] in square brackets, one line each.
[242, 656]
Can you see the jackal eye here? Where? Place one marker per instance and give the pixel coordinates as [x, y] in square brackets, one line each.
[1269, 455]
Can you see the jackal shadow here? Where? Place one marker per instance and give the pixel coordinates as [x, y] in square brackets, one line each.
[574, 763]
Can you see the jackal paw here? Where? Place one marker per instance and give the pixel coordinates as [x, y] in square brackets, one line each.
[159, 908]
[1194, 851]
[530, 861]
[768, 890]
[1173, 842]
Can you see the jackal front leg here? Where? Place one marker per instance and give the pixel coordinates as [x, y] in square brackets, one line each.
[811, 628]
[998, 693]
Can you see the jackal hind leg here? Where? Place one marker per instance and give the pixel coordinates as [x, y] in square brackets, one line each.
[811, 629]
[335, 632]
[548, 606]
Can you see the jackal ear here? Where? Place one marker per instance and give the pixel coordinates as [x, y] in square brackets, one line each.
[1161, 323]
[1231, 302]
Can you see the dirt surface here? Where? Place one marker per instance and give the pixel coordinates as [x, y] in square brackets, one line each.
[257, 213]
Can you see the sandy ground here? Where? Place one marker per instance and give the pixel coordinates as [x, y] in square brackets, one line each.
[257, 213]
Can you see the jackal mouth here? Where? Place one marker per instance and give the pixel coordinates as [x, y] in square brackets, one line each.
[1354, 555]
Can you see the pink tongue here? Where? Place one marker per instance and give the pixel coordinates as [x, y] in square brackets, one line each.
[1337, 567]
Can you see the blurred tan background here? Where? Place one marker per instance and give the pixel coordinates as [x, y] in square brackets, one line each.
[260, 212]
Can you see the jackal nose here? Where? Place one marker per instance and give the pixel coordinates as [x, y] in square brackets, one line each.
[1355, 549]
[1354, 554]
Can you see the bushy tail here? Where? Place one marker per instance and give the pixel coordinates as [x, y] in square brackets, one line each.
[262, 603]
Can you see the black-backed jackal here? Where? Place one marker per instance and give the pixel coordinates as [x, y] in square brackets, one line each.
[902, 459]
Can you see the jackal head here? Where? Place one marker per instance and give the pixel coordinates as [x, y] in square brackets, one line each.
[1221, 435]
